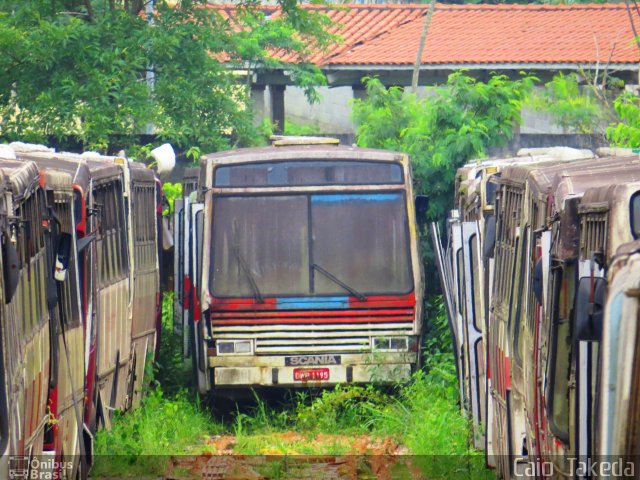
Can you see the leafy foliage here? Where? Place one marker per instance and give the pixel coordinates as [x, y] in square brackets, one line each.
[345, 409]
[572, 107]
[451, 125]
[627, 132]
[291, 128]
[171, 368]
[171, 192]
[105, 72]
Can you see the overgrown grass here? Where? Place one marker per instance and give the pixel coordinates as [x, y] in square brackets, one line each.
[141, 441]
[171, 423]
[421, 418]
[171, 370]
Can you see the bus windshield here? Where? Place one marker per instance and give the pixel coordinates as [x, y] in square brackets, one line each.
[310, 245]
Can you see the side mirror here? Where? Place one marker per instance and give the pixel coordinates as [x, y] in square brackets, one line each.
[589, 308]
[63, 253]
[422, 207]
[84, 242]
[10, 267]
[489, 245]
[536, 283]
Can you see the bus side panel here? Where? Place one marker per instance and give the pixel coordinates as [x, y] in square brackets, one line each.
[146, 284]
[28, 334]
[474, 350]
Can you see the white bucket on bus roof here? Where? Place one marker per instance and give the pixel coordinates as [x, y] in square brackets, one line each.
[165, 158]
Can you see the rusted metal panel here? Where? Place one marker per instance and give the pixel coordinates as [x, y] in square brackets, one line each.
[25, 319]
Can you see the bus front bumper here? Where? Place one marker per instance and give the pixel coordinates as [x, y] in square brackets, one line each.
[272, 371]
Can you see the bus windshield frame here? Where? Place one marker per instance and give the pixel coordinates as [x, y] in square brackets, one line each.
[247, 259]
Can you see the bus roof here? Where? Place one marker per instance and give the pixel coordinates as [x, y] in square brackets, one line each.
[21, 176]
[302, 152]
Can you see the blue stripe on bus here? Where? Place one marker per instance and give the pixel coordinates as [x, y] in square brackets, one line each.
[366, 197]
[292, 303]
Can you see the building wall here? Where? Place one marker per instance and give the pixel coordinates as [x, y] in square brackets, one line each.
[332, 116]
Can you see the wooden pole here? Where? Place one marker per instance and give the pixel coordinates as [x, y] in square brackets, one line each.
[423, 38]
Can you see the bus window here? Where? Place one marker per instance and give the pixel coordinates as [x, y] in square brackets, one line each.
[263, 240]
[560, 355]
[321, 172]
[476, 291]
[523, 294]
[300, 244]
[611, 392]
[199, 227]
[362, 239]
[635, 215]
[122, 239]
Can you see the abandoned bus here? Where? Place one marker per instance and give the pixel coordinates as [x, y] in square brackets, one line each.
[25, 308]
[304, 268]
[544, 260]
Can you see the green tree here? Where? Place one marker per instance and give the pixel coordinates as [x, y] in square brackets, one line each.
[77, 69]
[626, 132]
[454, 123]
[584, 109]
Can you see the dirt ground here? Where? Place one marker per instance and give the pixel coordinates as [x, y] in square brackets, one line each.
[285, 456]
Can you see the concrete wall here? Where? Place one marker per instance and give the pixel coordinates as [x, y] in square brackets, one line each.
[332, 116]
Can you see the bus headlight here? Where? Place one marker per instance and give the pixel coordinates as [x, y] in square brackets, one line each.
[234, 347]
[390, 344]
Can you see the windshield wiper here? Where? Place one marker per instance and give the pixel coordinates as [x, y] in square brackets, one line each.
[330, 276]
[252, 281]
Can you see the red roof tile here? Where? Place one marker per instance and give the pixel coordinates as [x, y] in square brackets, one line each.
[377, 35]
[481, 34]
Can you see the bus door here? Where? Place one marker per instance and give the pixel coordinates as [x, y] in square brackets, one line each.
[197, 328]
[472, 329]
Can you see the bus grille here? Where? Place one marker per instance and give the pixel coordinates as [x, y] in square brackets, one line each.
[303, 331]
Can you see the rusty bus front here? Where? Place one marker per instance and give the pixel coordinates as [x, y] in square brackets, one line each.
[306, 268]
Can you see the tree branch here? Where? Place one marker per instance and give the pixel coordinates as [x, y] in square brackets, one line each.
[606, 67]
[89, 7]
[423, 38]
[633, 25]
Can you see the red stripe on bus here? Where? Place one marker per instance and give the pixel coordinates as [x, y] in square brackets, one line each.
[187, 290]
[302, 321]
[374, 301]
[313, 313]
[507, 372]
